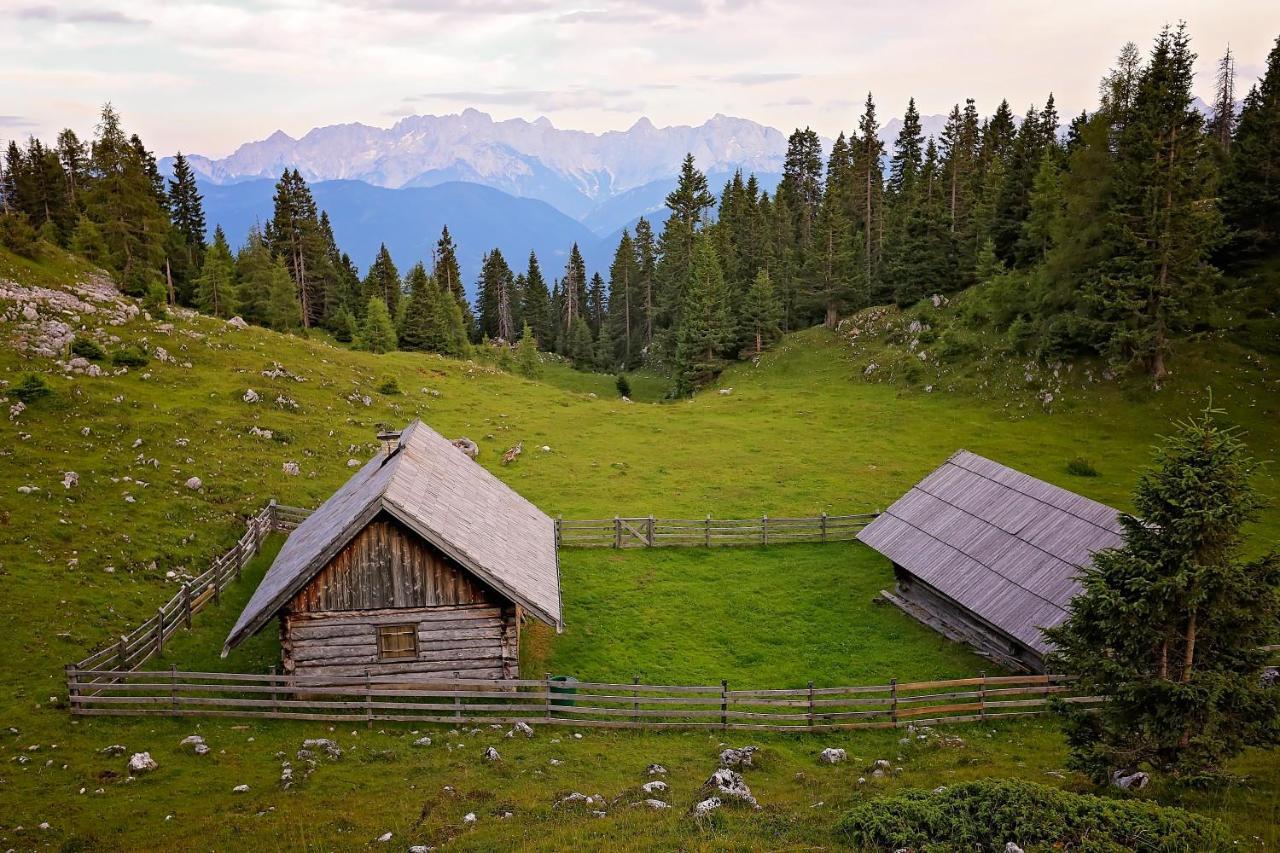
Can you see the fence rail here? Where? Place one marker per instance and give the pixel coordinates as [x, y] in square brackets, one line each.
[175, 693]
[649, 532]
[144, 642]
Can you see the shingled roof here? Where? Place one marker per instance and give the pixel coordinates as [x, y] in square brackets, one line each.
[449, 500]
[1000, 543]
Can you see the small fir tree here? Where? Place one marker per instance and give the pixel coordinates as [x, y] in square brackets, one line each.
[377, 332]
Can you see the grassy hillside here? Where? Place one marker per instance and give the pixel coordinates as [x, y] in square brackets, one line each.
[801, 432]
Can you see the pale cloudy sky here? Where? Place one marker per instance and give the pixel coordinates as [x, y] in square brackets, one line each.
[206, 75]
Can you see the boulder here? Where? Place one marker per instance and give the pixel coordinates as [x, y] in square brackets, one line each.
[240, 789]
[353, 463]
[251, 396]
[1135, 781]
[740, 757]
[237, 322]
[729, 784]
[290, 468]
[706, 806]
[194, 744]
[467, 446]
[832, 755]
[1010, 847]
[113, 750]
[655, 770]
[654, 787]
[329, 747]
[653, 804]
[422, 741]
[521, 728]
[194, 484]
[491, 754]
[142, 762]
[70, 479]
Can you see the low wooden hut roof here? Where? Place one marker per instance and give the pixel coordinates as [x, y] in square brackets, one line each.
[1000, 543]
[449, 500]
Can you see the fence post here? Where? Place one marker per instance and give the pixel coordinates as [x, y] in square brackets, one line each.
[239, 549]
[810, 703]
[708, 530]
[72, 688]
[649, 533]
[122, 654]
[217, 583]
[159, 630]
[824, 527]
[617, 532]
[275, 697]
[982, 696]
[724, 703]
[547, 697]
[273, 514]
[173, 687]
[635, 706]
[186, 604]
[368, 700]
[893, 694]
[764, 530]
[559, 535]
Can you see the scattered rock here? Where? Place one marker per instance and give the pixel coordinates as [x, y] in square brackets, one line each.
[469, 818]
[740, 757]
[1010, 847]
[141, 762]
[290, 468]
[70, 479]
[1134, 781]
[194, 484]
[656, 786]
[384, 837]
[706, 806]
[870, 369]
[832, 755]
[251, 396]
[729, 784]
[491, 754]
[522, 728]
[655, 770]
[260, 433]
[237, 322]
[725, 392]
[467, 446]
[330, 747]
[653, 804]
[240, 789]
[194, 744]
[422, 741]
[113, 750]
[353, 463]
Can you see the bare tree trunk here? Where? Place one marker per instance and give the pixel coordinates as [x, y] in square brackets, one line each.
[168, 277]
[1189, 653]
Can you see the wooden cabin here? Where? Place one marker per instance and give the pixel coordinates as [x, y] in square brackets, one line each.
[423, 564]
[990, 556]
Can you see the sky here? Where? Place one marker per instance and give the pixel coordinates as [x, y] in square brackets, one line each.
[203, 76]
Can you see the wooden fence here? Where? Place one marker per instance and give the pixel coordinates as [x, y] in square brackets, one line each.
[137, 647]
[649, 532]
[175, 693]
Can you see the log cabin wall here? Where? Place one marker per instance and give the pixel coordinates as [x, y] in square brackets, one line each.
[388, 577]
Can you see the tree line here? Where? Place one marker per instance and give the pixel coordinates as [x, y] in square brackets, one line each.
[1109, 238]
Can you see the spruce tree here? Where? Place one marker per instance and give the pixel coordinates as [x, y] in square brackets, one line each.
[281, 310]
[704, 326]
[581, 347]
[215, 288]
[527, 361]
[419, 328]
[761, 314]
[377, 333]
[1251, 190]
[596, 304]
[1169, 624]
[625, 306]
[495, 297]
[536, 303]
[186, 209]
[645, 264]
[383, 281]
[606, 359]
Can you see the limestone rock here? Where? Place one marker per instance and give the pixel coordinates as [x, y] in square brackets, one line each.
[194, 484]
[329, 747]
[706, 806]
[467, 446]
[740, 757]
[491, 754]
[521, 728]
[729, 784]
[655, 770]
[422, 741]
[240, 789]
[237, 322]
[290, 468]
[142, 762]
[1134, 781]
[251, 396]
[70, 479]
[832, 755]
[654, 787]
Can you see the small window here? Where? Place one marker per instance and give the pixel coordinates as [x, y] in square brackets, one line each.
[397, 642]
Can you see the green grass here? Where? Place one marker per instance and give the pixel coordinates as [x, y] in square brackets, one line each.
[801, 432]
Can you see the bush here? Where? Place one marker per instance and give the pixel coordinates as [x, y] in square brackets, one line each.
[130, 357]
[17, 235]
[87, 348]
[623, 384]
[30, 388]
[984, 815]
[389, 386]
[1081, 467]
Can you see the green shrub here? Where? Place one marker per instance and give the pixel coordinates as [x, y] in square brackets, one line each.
[389, 386]
[1081, 467]
[130, 357]
[985, 814]
[87, 348]
[17, 235]
[623, 385]
[30, 388]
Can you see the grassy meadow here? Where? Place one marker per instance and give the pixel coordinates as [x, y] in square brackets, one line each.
[800, 433]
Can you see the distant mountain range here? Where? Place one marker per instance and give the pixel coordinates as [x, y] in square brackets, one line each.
[514, 184]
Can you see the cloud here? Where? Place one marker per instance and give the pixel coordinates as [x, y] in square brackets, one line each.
[54, 14]
[753, 78]
[15, 121]
[792, 102]
[541, 100]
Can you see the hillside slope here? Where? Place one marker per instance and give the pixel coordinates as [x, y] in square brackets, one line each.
[82, 557]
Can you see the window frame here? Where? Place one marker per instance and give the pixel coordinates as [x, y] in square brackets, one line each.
[395, 631]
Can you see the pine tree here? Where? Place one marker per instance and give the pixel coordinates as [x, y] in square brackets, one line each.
[280, 306]
[606, 358]
[527, 362]
[448, 276]
[868, 179]
[596, 306]
[536, 303]
[645, 264]
[216, 285]
[801, 184]
[419, 328]
[187, 214]
[1045, 209]
[625, 307]
[294, 234]
[383, 281]
[762, 314]
[1221, 124]
[496, 290]
[704, 328]
[1251, 191]
[377, 333]
[74, 156]
[581, 347]
[1169, 625]
[573, 293]
[1162, 201]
